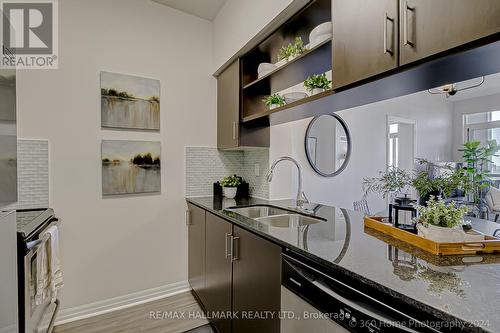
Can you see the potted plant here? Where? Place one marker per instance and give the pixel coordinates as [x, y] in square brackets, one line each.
[230, 186]
[292, 50]
[274, 101]
[476, 159]
[441, 222]
[393, 180]
[317, 83]
[429, 183]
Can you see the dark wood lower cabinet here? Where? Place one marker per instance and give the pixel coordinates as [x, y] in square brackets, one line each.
[218, 271]
[256, 283]
[196, 249]
[234, 271]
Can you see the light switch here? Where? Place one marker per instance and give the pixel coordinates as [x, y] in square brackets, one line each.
[257, 169]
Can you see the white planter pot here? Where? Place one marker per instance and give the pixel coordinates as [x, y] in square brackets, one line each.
[317, 91]
[441, 234]
[229, 192]
[273, 106]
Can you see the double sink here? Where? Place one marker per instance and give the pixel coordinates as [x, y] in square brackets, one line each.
[275, 217]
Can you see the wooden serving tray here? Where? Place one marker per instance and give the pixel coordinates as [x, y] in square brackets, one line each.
[489, 245]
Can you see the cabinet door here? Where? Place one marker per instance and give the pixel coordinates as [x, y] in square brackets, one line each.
[256, 282]
[196, 250]
[228, 107]
[218, 270]
[365, 39]
[429, 26]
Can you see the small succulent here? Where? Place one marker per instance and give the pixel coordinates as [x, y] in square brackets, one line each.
[274, 99]
[317, 81]
[291, 50]
[440, 214]
[230, 181]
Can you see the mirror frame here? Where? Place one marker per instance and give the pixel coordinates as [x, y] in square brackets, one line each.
[349, 145]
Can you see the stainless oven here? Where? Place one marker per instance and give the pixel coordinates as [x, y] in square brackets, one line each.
[35, 316]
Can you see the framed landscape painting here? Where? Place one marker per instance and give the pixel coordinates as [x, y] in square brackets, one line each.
[130, 102]
[130, 167]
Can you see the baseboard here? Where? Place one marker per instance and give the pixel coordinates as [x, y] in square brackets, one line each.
[120, 302]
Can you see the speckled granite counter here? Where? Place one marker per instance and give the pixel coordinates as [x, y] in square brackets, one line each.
[463, 287]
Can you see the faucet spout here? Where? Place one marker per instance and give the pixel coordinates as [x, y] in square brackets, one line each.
[301, 198]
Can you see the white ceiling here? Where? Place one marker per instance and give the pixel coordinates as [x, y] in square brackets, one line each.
[206, 9]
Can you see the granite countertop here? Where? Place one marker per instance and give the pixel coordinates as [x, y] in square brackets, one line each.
[463, 287]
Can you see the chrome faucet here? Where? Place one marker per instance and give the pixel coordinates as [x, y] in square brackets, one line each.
[301, 196]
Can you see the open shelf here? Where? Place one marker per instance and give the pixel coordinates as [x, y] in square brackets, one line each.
[288, 63]
[267, 112]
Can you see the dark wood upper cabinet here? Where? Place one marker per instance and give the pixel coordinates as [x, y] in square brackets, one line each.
[429, 27]
[228, 107]
[256, 281]
[218, 270]
[365, 41]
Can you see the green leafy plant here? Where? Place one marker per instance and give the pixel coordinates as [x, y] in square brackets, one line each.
[274, 99]
[230, 181]
[291, 50]
[440, 214]
[476, 159]
[392, 180]
[317, 81]
[443, 184]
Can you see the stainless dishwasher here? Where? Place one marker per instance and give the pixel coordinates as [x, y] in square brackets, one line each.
[312, 301]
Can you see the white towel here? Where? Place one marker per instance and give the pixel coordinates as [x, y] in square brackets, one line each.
[49, 274]
[55, 272]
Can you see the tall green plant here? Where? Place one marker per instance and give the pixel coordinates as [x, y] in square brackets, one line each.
[391, 180]
[476, 159]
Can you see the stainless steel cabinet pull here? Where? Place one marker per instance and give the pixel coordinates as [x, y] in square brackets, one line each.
[234, 248]
[227, 239]
[235, 130]
[386, 49]
[188, 217]
[406, 9]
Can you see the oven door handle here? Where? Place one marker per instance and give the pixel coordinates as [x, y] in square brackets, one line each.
[33, 245]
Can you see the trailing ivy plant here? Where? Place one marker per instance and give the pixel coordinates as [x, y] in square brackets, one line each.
[317, 81]
[274, 99]
[440, 214]
[476, 159]
[293, 49]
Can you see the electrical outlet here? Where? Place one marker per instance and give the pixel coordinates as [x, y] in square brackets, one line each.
[257, 169]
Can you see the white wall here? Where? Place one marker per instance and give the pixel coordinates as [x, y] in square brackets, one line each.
[238, 21]
[367, 125]
[116, 246]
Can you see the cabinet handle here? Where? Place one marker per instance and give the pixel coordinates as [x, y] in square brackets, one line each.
[406, 9]
[228, 237]
[188, 217]
[387, 50]
[234, 248]
[235, 130]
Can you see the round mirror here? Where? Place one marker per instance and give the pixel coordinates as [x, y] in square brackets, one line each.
[328, 144]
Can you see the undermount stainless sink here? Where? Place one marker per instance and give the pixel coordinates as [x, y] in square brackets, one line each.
[258, 211]
[288, 220]
[275, 217]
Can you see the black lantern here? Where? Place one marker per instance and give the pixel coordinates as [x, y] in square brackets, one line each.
[402, 215]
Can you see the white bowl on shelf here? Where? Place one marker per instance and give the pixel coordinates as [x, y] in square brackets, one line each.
[294, 96]
[265, 68]
[321, 33]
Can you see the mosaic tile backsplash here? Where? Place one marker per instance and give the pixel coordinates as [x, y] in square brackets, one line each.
[32, 174]
[206, 165]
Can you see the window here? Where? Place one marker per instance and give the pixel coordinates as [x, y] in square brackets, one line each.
[484, 126]
[393, 145]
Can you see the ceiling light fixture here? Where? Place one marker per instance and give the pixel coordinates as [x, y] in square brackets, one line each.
[452, 88]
